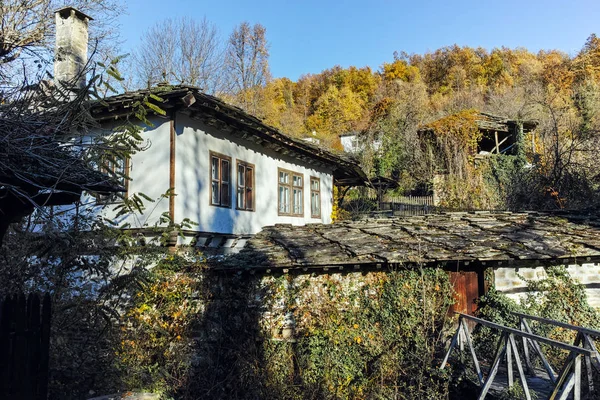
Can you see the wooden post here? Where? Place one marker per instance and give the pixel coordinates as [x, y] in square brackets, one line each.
[564, 376]
[452, 345]
[495, 365]
[465, 328]
[509, 366]
[513, 343]
[5, 359]
[577, 385]
[172, 156]
[528, 363]
[44, 347]
[539, 352]
[19, 361]
[497, 144]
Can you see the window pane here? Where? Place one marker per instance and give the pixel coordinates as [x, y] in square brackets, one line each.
[241, 176]
[283, 199]
[314, 184]
[224, 170]
[215, 193]
[240, 198]
[283, 177]
[297, 201]
[297, 180]
[225, 194]
[249, 189]
[215, 168]
[315, 204]
[249, 177]
[249, 202]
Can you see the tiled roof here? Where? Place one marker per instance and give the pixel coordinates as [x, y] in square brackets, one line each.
[451, 239]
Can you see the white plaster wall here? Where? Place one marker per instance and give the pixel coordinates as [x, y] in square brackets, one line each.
[349, 143]
[149, 173]
[195, 140]
[507, 280]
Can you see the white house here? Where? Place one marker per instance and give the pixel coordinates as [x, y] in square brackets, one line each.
[353, 142]
[231, 173]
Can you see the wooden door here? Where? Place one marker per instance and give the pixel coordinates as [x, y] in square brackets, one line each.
[466, 291]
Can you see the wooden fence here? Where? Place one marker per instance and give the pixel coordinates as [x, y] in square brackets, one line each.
[390, 206]
[24, 347]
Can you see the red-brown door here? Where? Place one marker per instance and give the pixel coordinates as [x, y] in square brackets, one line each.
[466, 291]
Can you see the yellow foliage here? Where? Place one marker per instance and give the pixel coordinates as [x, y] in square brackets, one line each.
[400, 69]
[337, 214]
[336, 111]
[462, 126]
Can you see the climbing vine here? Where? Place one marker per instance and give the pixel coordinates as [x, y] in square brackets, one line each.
[461, 126]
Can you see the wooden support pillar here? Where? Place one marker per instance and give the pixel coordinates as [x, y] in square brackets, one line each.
[172, 169]
[497, 143]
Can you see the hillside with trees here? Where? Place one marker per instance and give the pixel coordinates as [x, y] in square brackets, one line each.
[393, 103]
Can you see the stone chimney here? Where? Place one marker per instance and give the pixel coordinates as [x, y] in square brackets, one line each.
[70, 53]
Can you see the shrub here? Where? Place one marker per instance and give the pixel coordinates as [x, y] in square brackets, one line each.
[383, 340]
[156, 348]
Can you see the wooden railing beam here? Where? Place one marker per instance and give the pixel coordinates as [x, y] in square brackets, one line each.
[532, 336]
[587, 331]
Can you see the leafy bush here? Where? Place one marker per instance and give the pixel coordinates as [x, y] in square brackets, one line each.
[156, 347]
[378, 335]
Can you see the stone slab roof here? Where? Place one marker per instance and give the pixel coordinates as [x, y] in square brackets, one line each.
[450, 239]
[215, 112]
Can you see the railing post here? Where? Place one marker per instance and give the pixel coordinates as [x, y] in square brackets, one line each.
[495, 365]
[513, 343]
[465, 328]
[535, 345]
[528, 363]
[577, 387]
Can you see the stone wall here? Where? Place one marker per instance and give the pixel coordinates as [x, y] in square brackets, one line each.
[509, 280]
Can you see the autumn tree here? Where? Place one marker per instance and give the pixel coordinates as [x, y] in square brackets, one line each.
[181, 51]
[587, 63]
[247, 61]
[336, 112]
[279, 107]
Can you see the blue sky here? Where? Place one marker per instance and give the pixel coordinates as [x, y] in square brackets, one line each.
[310, 36]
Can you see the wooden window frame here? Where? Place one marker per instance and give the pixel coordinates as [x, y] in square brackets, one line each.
[110, 168]
[290, 185]
[246, 188]
[221, 158]
[318, 192]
